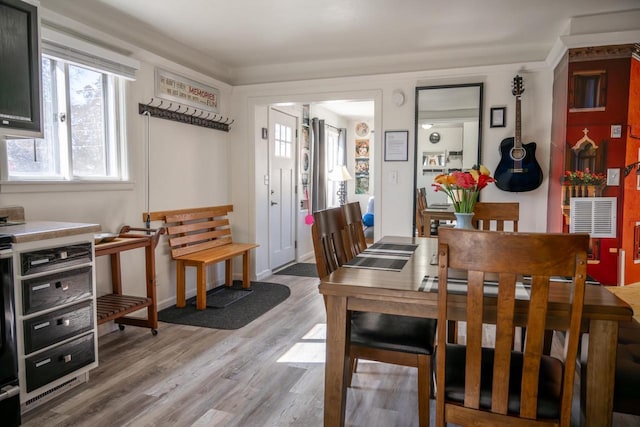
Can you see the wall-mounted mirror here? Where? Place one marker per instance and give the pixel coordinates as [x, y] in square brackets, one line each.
[448, 134]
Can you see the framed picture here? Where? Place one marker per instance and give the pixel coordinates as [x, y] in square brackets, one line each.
[362, 148]
[498, 117]
[396, 145]
[187, 92]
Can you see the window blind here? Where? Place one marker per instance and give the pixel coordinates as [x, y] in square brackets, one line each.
[72, 49]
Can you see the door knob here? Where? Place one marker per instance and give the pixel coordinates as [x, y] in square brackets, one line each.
[274, 203]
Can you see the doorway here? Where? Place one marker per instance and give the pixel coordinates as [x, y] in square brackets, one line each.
[282, 182]
[273, 232]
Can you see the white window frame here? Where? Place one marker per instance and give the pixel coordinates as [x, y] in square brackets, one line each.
[70, 50]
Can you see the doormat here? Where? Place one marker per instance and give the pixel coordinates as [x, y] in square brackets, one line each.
[264, 297]
[223, 296]
[300, 269]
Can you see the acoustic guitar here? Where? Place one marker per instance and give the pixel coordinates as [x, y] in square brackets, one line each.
[518, 170]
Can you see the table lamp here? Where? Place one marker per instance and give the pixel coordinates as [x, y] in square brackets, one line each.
[340, 174]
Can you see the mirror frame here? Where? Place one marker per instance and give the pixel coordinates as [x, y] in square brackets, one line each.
[480, 86]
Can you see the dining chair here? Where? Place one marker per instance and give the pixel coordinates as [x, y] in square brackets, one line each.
[499, 386]
[355, 228]
[493, 216]
[399, 340]
[422, 228]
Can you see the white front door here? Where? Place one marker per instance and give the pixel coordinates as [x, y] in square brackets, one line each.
[282, 152]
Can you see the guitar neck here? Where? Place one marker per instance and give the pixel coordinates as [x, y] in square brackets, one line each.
[518, 138]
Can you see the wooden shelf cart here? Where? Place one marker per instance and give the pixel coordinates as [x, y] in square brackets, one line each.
[116, 306]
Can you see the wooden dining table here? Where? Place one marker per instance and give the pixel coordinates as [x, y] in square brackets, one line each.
[402, 292]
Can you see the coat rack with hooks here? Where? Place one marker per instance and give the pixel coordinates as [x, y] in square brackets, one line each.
[188, 115]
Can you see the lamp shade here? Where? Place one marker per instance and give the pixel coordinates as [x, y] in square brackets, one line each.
[339, 173]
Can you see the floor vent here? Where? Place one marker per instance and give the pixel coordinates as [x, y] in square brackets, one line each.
[53, 392]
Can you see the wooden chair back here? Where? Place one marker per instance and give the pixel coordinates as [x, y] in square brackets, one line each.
[329, 240]
[492, 216]
[507, 256]
[421, 205]
[355, 228]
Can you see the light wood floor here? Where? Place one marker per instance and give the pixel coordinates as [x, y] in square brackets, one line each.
[269, 373]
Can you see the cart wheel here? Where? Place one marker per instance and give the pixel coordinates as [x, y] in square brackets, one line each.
[154, 332]
[121, 327]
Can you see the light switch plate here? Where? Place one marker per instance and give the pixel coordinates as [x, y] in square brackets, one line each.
[616, 131]
[613, 176]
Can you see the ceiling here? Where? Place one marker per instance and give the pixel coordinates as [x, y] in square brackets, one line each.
[257, 41]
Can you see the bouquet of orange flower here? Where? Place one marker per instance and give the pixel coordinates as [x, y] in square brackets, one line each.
[463, 187]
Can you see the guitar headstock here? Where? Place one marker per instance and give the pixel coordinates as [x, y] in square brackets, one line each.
[517, 87]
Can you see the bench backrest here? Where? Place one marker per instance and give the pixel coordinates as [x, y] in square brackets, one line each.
[197, 229]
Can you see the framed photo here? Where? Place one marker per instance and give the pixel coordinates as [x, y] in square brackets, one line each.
[362, 148]
[498, 117]
[396, 145]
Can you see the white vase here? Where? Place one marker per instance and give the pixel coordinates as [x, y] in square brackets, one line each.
[463, 220]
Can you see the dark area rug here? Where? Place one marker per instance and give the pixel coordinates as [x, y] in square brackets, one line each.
[262, 298]
[300, 269]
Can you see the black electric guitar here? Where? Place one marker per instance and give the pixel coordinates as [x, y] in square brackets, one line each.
[518, 170]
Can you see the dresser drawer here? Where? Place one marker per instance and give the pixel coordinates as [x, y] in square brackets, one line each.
[53, 258]
[59, 361]
[48, 329]
[56, 289]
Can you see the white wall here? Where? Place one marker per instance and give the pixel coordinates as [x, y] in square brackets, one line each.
[394, 201]
[193, 166]
[189, 168]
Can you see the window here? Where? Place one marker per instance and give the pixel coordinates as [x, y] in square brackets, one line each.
[284, 141]
[636, 243]
[82, 140]
[588, 91]
[83, 132]
[334, 154]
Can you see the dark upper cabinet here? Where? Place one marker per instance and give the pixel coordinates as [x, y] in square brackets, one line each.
[19, 66]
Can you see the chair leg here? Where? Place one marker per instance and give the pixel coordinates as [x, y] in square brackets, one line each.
[424, 389]
[228, 272]
[201, 287]
[452, 332]
[353, 365]
[181, 299]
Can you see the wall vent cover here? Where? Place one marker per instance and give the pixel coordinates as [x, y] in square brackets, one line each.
[594, 215]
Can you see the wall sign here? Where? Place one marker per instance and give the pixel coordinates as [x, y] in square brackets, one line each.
[173, 87]
[396, 145]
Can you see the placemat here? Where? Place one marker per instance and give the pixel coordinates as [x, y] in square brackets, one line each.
[459, 286]
[383, 256]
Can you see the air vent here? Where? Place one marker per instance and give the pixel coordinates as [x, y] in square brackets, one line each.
[594, 215]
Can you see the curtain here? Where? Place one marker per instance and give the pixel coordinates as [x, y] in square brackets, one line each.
[342, 149]
[319, 180]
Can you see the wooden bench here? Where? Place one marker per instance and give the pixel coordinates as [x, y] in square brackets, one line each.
[200, 237]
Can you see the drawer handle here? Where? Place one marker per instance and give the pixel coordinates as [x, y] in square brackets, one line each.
[66, 358]
[43, 362]
[41, 287]
[39, 261]
[64, 322]
[41, 325]
[63, 286]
